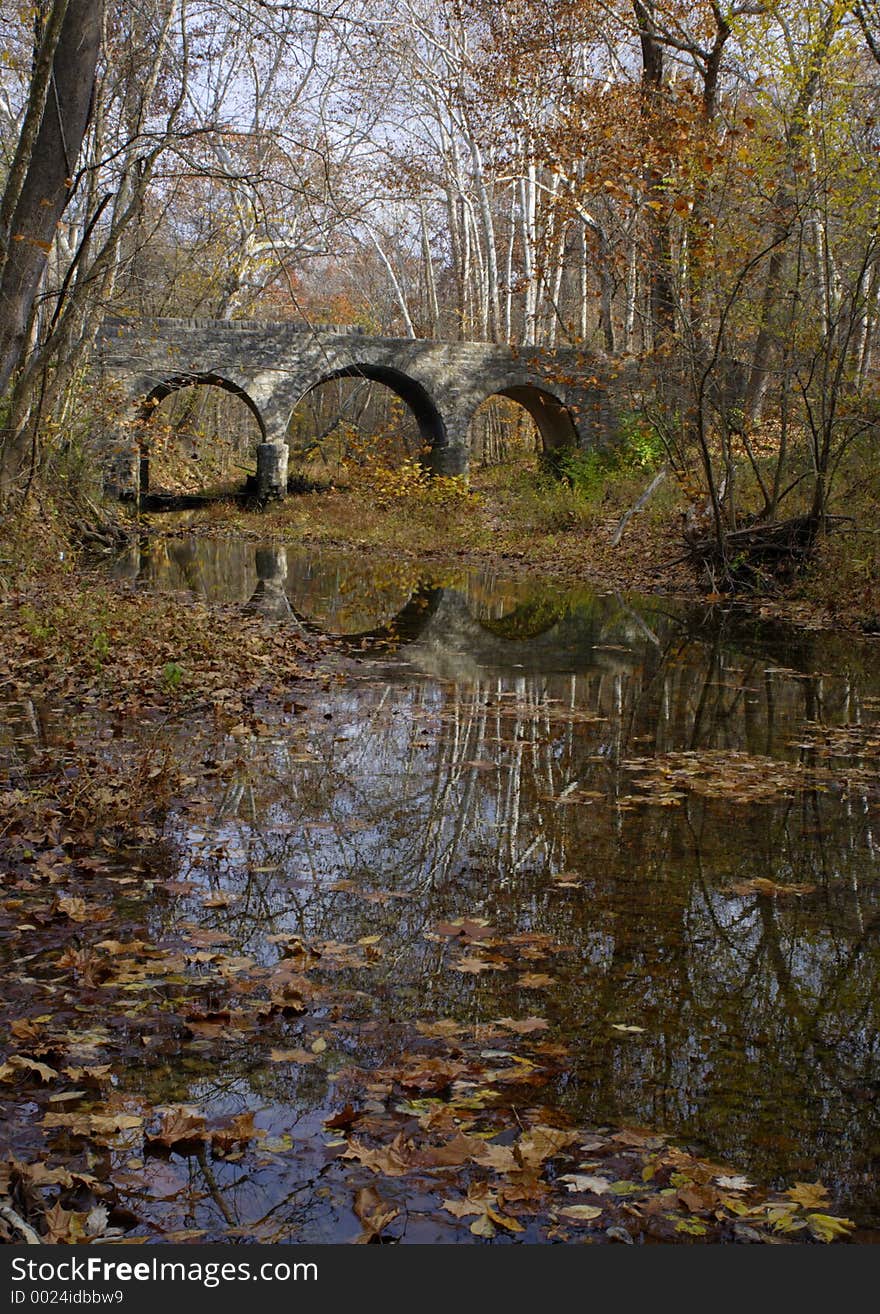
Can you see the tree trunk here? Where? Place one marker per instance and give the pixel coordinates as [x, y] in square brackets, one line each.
[48, 177]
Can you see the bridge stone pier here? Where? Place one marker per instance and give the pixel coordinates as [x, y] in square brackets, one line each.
[272, 367]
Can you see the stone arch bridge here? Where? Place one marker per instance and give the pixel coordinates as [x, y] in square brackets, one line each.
[273, 366]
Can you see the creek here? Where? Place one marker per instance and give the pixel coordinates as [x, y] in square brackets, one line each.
[682, 800]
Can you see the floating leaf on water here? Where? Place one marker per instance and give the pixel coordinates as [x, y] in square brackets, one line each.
[809, 1195]
[584, 1182]
[580, 1213]
[826, 1228]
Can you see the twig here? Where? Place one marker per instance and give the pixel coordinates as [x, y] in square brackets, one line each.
[655, 484]
[8, 1214]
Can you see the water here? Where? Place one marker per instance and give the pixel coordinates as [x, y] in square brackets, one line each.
[611, 773]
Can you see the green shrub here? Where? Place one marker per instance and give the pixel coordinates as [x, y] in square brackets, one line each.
[639, 449]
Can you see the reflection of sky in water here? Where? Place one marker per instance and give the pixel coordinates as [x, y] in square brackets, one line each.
[452, 780]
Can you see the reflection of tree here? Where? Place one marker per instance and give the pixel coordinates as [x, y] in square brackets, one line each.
[424, 800]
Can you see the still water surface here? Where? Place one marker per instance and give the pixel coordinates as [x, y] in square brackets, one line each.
[613, 772]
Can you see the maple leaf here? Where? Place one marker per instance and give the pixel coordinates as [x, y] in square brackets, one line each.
[79, 911]
[453, 1154]
[389, 1161]
[501, 1158]
[543, 1143]
[181, 1125]
[809, 1195]
[431, 1074]
[584, 1182]
[64, 1225]
[824, 1227]
[524, 1026]
[239, 1131]
[535, 980]
[475, 966]
[343, 1120]
[374, 1213]
[17, 1063]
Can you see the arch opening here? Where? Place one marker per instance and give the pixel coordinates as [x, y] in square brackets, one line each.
[361, 415]
[520, 430]
[198, 433]
[552, 419]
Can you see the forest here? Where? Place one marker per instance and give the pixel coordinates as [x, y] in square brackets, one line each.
[469, 835]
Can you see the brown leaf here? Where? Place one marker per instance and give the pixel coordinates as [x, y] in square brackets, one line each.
[483, 1226]
[501, 1158]
[374, 1213]
[17, 1063]
[535, 980]
[93, 1124]
[523, 1026]
[431, 1075]
[453, 1154]
[461, 1208]
[580, 1213]
[65, 1226]
[292, 1056]
[181, 1125]
[466, 928]
[239, 1131]
[474, 966]
[343, 1120]
[389, 1161]
[809, 1195]
[770, 889]
[542, 1143]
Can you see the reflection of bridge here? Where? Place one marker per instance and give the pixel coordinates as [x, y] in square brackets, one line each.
[271, 367]
[443, 637]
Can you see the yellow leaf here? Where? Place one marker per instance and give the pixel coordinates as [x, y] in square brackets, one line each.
[826, 1228]
[483, 1226]
[18, 1063]
[809, 1195]
[504, 1221]
[580, 1213]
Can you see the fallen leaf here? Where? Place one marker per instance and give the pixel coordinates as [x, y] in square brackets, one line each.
[390, 1161]
[343, 1120]
[542, 1143]
[583, 1182]
[523, 1026]
[809, 1195]
[734, 1183]
[535, 980]
[826, 1228]
[461, 1208]
[181, 1125]
[474, 966]
[374, 1213]
[17, 1063]
[580, 1213]
[239, 1131]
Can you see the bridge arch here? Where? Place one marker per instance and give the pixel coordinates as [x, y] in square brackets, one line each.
[553, 419]
[431, 427]
[148, 405]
